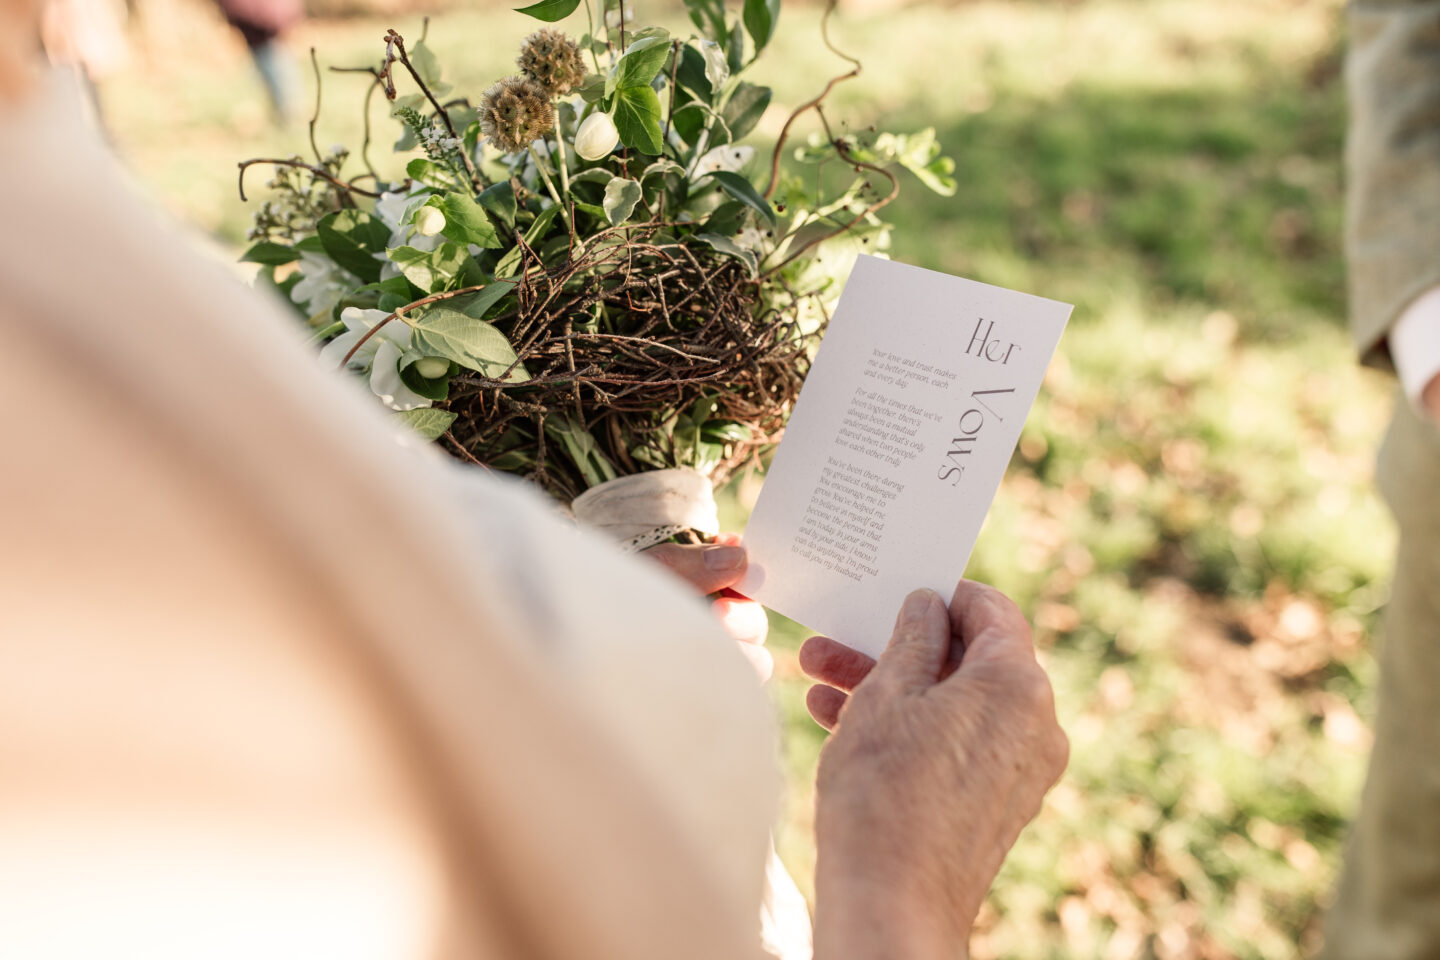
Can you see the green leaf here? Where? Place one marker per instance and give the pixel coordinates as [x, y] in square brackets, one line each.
[717, 69]
[741, 189]
[730, 247]
[430, 270]
[550, 11]
[621, 195]
[592, 88]
[637, 118]
[735, 48]
[499, 199]
[708, 16]
[760, 17]
[310, 244]
[427, 65]
[511, 260]
[692, 75]
[487, 298]
[466, 222]
[436, 389]
[427, 421]
[725, 431]
[427, 172]
[728, 219]
[352, 238]
[640, 64]
[270, 254]
[442, 331]
[582, 449]
[747, 104]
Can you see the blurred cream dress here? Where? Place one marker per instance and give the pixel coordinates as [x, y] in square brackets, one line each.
[276, 682]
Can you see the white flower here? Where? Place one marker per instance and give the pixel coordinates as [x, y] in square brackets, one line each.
[596, 137]
[337, 148]
[322, 283]
[380, 354]
[728, 158]
[395, 209]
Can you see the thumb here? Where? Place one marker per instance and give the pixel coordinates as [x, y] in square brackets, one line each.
[707, 568]
[918, 646]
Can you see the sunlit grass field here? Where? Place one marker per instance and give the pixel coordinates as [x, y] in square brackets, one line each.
[1188, 521]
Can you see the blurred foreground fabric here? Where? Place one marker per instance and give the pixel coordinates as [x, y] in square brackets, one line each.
[270, 686]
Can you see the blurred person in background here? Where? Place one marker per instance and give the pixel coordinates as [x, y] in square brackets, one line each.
[277, 682]
[1388, 904]
[262, 23]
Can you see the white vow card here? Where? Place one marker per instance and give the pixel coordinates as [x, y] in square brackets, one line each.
[896, 447]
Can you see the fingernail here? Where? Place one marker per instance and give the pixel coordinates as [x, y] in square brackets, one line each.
[721, 558]
[916, 606]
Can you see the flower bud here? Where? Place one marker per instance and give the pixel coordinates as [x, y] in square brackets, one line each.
[596, 137]
[432, 368]
[429, 221]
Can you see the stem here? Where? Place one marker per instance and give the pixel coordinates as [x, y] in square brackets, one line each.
[590, 20]
[540, 166]
[560, 146]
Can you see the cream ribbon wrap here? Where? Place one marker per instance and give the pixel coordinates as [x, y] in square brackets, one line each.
[644, 509]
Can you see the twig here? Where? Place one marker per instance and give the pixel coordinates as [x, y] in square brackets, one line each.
[393, 39]
[785, 130]
[315, 117]
[301, 164]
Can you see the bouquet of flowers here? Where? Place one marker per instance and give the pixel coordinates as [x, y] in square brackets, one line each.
[585, 276]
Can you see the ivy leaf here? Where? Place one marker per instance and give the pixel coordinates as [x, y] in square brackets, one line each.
[717, 69]
[747, 104]
[465, 222]
[735, 48]
[637, 118]
[550, 11]
[487, 298]
[427, 65]
[431, 389]
[708, 16]
[730, 247]
[760, 17]
[592, 88]
[693, 73]
[640, 64]
[742, 190]
[427, 421]
[621, 195]
[442, 331]
[499, 199]
[270, 254]
[430, 270]
[352, 238]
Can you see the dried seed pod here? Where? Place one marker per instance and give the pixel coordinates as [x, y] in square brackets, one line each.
[514, 113]
[552, 60]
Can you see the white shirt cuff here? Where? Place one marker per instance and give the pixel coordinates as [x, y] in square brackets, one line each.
[1415, 344]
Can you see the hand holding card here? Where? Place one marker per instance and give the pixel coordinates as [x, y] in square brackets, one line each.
[896, 446]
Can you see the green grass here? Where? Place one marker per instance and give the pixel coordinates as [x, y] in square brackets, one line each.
[1189, 519]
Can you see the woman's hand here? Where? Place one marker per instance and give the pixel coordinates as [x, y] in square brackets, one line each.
[712, 568]
[942, 752]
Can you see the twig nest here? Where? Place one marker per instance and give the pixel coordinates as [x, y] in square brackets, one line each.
[644, 509]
